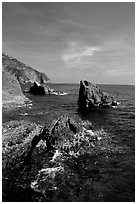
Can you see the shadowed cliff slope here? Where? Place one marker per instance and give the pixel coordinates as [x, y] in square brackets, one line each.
[11, 91]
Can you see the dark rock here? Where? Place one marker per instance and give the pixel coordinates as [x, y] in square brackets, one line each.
[69, 141]
[59, 131]
[18, 141]
[114, 103]
[91, 169]
[91, 96]
[47, 152]
[67, 134]
[34, 143]
[73, 126]
[37, 89]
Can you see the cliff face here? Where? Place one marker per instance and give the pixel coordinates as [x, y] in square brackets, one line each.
[23, 72]
[11, 91]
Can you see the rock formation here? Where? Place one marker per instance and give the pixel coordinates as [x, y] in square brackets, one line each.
[55, 163]
[61, 132]
[70, 142]
[11, 91]
[23, 72]
[91, 96]
[39, 89]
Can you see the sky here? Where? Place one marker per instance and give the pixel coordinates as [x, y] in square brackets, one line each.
[71, 41]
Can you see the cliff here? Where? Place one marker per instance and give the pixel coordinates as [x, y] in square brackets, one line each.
[11, 91]
[24, 73]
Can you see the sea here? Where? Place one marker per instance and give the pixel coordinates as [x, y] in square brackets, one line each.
[117, 158]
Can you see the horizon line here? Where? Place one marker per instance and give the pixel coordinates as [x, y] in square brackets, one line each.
[93, 83]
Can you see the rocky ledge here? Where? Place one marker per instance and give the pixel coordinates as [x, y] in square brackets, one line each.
[52, 163]
[91, 96]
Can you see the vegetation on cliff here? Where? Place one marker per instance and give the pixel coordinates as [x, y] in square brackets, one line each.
[23, 72]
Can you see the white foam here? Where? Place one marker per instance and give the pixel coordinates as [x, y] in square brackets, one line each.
[24, 114]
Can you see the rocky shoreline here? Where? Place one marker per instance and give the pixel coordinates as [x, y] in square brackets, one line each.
[53, 163]
[30, 151]
[58, 162]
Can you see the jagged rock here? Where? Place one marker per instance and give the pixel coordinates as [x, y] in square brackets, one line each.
[24, 155]
[59, 131]
[70, 141]
[37, 89]
[66, 169]
[19, 138]
[23, 73]
[56, 171]
[66, 134]
[91, 96]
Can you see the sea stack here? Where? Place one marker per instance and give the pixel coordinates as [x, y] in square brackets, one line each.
[37, 89]
[40, 89]
[91, 97]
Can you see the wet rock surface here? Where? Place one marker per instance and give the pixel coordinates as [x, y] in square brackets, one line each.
[91, 96]
[59, 162]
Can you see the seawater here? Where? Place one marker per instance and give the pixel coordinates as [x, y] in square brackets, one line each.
[117, 163]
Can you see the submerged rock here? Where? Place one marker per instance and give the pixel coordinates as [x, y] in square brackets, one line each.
[91, 96]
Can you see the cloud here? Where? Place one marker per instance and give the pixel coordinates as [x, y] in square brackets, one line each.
[78, 53]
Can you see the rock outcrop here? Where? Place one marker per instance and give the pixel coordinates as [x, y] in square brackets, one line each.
[17, 137]
[24, 73]
[42, 89]
[55, 163]
[91, 96]
[12, 95]
[64, 132]
[71, 144]
[37, 89]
